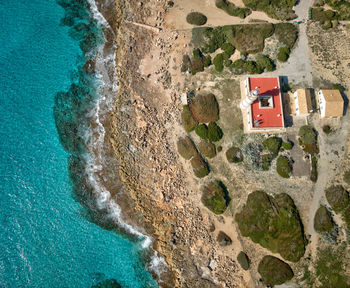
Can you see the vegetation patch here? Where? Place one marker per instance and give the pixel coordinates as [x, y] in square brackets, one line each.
[202, 131]
[337, 197]
[288, 145]
[204, 108]
[308, 139]
[219, 62]
[196, 18]
[188, 121]
[232, 9]
[186, 148]
[265, 63]
[228, 48]
[274, 223]
[234, 155]
[277, 9]
[284, 166]
[323, 220]
[283, 54]
[241, 66]
[330, 267]
[314, 172]
[274, 271]
[199, 166]
[266, 160]
[346, 217]
[214, 132]
[243, 260]
[326, 129]
[286, 33]
[215, 197]
[207, 149]
[273, 145]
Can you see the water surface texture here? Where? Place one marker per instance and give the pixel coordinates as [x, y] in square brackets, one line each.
[45, 240]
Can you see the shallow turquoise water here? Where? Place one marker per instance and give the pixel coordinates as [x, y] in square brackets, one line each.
[45, 242]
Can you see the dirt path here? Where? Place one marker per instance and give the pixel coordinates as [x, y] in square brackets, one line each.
[332, 152]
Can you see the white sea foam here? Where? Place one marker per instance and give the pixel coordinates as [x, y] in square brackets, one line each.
[95, 159]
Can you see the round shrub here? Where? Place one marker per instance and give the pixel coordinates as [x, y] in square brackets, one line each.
[204, 108]
[219, 62]
[323, 220]
[234, 155]
[202, 131]
[288, 145]
[243, 260]
[219, 148]
[188, 121]
[207, 149]
[337, 197]
[186, 148]
[284, 166]
[273, 145]
[196, 18]
[214, 132]
[283, 54]
[215, 197]
[274, 271]
[199, 166]
[228, 48]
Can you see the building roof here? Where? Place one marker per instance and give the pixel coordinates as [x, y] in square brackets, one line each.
[304, 101]
[334, 103]
[266, 117]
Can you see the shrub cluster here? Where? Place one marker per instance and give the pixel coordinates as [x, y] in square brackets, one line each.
[215, 197]
[274, 271]
[207, 149]
[278, 9]
[232, 9]
[323, 221]
[204, 108]
[283, 54]
[199, 166]
[273, 145]
[202, 131]
[196, 18]
[265, 62]
[284, 166]
[337, 197]
[219, 62]
[186, 148]
[234, 155]
[214, 132]
[188, 121]
[274, 223]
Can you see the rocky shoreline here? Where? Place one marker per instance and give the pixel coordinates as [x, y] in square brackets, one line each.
[140, 132]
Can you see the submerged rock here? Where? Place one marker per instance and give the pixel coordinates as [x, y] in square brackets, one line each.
[108, 283]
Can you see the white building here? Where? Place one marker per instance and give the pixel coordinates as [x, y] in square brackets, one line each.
[331, 103]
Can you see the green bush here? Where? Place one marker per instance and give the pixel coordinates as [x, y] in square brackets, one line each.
[273, 145]
[274, 271]
[215, 197]
[314, 171]
[186, 148]
[323, 220]
[288, 145]
[283, 54]
[243, 260]
[204, 108]
[197, 53]
[337, 197]
[286, 33]
[232, 9]
[214, 132]
[202, 131]
[219, 62]
[284, 166]
[308, 139]
[278, 9]
[274, 223]
[327, 25]
[228, 48]
[199, 166]
[219, 148]
[265, 62]
[188, 121]
[326, 129]
[196, 18]
[207, 61]
[266, 160]
[234, 155]
[207, 149]
[197, 65]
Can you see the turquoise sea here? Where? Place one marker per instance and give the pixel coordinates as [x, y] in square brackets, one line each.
[46, 239]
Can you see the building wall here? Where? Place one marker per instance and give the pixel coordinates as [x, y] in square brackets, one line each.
[322, 103]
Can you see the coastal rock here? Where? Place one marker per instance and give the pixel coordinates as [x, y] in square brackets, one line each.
[223, 239]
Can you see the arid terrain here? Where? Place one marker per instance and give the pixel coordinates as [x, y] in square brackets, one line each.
[163, 194]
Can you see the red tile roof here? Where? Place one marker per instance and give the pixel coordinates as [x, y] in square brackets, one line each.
[268, 117]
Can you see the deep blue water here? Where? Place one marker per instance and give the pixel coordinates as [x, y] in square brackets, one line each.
[45, 240]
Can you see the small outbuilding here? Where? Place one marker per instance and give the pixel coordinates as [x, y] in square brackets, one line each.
[331, 103]
[303, 104]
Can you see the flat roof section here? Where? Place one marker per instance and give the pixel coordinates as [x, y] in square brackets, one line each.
[267, 117]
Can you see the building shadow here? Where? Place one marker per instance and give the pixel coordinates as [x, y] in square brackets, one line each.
[313, 99]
